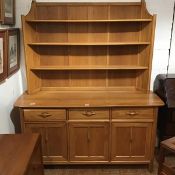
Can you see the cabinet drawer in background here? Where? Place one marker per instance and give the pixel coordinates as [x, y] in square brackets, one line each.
[88, 114]
[44, 115]
[133, 113]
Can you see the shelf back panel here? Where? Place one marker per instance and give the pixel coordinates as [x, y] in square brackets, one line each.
[93, 55]
[88, 11]
[89, 32]
[102, 78]
[110, 46]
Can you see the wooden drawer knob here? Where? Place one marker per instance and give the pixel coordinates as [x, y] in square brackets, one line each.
[88, 113]
[45, 115]
[132, 113]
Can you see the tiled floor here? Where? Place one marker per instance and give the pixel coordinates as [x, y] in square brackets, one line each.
[100, 170]
[104, 169]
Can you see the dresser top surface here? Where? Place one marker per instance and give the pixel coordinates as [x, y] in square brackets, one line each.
[62, 99]
[15, 152]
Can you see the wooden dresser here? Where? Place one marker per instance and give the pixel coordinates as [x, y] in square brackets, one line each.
[88, 68]
[20, 154]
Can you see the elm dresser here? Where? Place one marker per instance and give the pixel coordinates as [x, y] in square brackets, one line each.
[88, 69]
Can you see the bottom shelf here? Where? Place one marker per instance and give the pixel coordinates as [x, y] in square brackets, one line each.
[88, 79]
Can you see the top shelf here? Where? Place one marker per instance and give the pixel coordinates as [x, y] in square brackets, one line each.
[89, 21]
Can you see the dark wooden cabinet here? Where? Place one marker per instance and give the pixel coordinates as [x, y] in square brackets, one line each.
[164, 87]
[20, 154]
[89, 141]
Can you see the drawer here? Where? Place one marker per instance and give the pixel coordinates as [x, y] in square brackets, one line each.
[44, 115]
[88, 114]
[133, 113]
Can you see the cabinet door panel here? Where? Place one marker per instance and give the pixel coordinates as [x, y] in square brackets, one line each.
[98, 141]
[89, 141]
[54, 140]
[80, 141]
[38, 128]
[139, 136]
[120, 141]
[56, 137]
[131, 141]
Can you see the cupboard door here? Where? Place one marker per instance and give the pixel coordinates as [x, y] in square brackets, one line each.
[131, 141]
[54, 140]
[89, 141]
[38, 128]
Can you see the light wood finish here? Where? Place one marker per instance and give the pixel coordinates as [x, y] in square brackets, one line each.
[89, 141]
[54, 142]
[88, 44]
[112, 40]
[44, 115]
[131, 141]
[76, 99]
[91, 68]
[20, 154]
[132, 113]
[89, 21]
[89, 114]
[88, 77]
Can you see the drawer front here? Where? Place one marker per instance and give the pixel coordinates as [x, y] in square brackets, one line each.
[88, 114]
[133, 113]
[44, 115]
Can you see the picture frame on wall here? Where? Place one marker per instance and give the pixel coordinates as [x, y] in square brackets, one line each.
[3, 55]
[8, 12]
[13, 51]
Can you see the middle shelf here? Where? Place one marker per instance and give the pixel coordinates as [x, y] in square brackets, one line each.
[88, 33]
[139, 20]
[95, 57]
[90, 68]
[86, 44]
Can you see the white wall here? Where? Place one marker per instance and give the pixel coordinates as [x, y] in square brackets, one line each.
[13, 87]
[9, 91]
[164, 11]
[16, 84]
[172, 56]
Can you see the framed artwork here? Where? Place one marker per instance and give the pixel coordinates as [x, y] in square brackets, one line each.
[13, 50]
[3, 55]
[8, 12]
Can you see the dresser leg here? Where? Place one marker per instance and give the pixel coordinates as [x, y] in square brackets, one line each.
[150, 166]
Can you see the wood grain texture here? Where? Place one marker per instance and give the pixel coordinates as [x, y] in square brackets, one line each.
[89, 68]
[89, 141]
[87, 43]
[78, 34]
[54, 144]
[93, 98]
[20, 152]
[134, 141]
[92, 75]
[88, 21]
[44, 115]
